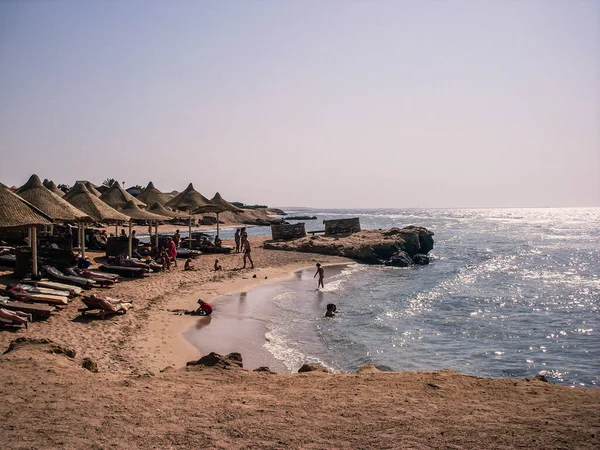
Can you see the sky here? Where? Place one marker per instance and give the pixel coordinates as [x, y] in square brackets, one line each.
[317, 103]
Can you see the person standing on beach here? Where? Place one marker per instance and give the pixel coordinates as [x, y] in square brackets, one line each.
[176, 238]
[246, 250]
[321, 273]
[172, 251]
[237, 240]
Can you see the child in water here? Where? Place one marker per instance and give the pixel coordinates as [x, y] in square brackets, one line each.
[321, 273]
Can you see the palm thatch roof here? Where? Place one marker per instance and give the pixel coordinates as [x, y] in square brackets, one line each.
[134, 212]
[151, 195]
[80, 197]
[117, 197]
[15, 212]
[49, 203]
[188, 200]
[158, 208]
[52, 186]
[90, 187]
[218, 205]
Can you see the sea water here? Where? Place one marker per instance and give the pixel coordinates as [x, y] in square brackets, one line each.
[508, 293]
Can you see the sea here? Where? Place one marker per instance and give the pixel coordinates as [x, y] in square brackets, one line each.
[510, 293]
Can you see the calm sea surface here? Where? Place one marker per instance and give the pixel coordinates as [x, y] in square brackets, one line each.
[509, 293]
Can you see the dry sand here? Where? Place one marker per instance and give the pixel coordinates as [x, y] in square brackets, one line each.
[48, 400]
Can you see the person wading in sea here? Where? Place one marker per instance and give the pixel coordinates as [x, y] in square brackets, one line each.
[321, 273]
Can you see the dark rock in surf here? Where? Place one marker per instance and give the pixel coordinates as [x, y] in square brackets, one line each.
[399, 259]
[422, 260]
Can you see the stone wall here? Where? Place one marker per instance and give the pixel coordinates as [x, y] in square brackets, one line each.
[342, 226]
[287, 232]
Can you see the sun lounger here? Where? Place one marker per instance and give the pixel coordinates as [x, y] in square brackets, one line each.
[53, 272]
[185, 253]
[38, 290]
[8, 317]
[97, 275]
[74, 290]
[37, 298]
[212, 250]
[8, 260]
[103, 282]
[130, 272]
[39, 311]
[103, 306]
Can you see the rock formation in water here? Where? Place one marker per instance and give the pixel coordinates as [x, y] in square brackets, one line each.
[395, 247]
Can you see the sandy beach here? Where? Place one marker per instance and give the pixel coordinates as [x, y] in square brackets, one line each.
[144, 397]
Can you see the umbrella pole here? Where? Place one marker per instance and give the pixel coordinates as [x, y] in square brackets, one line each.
[190, 231]
[217, 224]
[33, 232]
[116, 229]
[29, 237]
[130, 238]
[156, 234]
[83, 240]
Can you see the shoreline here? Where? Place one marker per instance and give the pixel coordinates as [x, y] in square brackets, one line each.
[238, 326]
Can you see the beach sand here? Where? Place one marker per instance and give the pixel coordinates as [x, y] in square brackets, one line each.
[145, 397]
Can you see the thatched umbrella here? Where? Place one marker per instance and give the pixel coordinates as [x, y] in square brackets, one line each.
[53, 206]
[52, 186]
[90, 187]
[217, 206]
[158, 208]
[80, 197]
[134, 212]
[117, 197]
[15, 212]
[188, 200]
[151, 195]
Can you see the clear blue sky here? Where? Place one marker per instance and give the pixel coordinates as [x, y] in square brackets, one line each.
[308, 103]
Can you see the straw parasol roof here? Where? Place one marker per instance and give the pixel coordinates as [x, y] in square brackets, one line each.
[158, 208]
[134, 212]
[90, 187]
[49, 203]
[117, 197]
[188, 200]
[80, 197]
[15, 212]
[151, 195]
[52, 186]
[218, 205]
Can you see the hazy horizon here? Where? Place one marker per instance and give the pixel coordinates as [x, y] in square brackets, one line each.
[329, 104]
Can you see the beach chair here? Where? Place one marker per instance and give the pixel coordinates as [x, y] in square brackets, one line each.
[56, 274]
[37, 311]
[8, 317]
[33, 296]
[45, 283]
[102, 306]
[102, 282]
[129, 272]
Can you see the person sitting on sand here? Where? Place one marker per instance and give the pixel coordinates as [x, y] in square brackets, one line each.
[217, 265]
[218, 242]
[188, 265]
[321, 273]
[246, 250]
[331, 310]
[204, 309]
[123, 234]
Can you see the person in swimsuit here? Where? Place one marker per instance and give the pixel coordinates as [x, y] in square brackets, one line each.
[246, 250]
[237, 240]
[188, 265]
[331, 310]
[217, 265]
[321, 273]
[204, 309]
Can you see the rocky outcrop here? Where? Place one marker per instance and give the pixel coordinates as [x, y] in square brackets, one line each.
[301, 218]
[395, 247]
[90, 365]
[230, 361]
